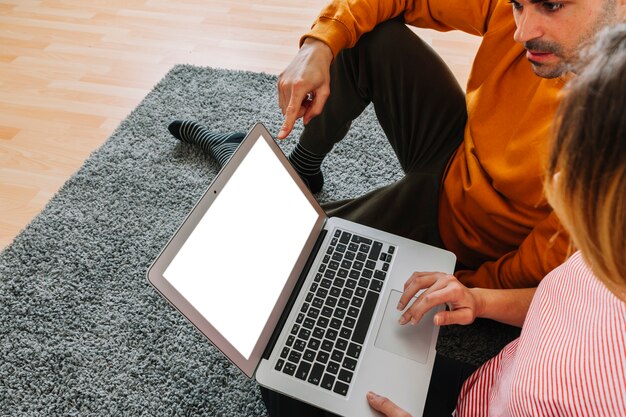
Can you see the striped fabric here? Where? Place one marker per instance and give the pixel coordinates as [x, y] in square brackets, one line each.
[220, 146]
[570, 359]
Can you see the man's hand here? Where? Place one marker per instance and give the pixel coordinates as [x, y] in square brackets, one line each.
[304, 86]
[464, 304]
[385, 406]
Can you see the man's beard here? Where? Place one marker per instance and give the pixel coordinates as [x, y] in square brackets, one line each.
[543, 70]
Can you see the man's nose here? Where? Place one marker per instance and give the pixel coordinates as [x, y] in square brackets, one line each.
[528, 26]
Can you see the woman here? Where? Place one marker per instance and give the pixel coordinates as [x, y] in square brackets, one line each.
[570, 359]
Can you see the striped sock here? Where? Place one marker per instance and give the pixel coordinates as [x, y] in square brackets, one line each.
[308, 165]
[220, 146]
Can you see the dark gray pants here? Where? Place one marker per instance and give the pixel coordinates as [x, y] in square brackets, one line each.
[421, 109]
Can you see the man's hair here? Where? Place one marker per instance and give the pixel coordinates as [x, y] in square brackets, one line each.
[586, 175]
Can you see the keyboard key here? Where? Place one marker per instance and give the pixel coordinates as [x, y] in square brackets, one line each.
[376, 285]
[370, 264]
[360, 292]
[304, 307]
[322, 322]
[380, 275]
[347, 292]
[361, 256]
[391, 249]
[327, 345]
[341, 344]
[327, 311]
[322, 268]
[322, 356]
[342, 273]
[309, 355]
[309, 323]
[354, 350]
[337, 257]
[290, 340]
[357, 301]
[328, 381]
[331, 301]
[364, 248]
[284, 353]
[337, 355]
[335, 291]
[353, 247]
[326, 283]
[346, 264]
[318, 332]
[318, 302]
[328, 275]
[353, 312]
[299, 345]
[294, 356]
[340, 313]
[351, 283]
[322, 293]
[289, 368]
[333, 367]
[349, 255]
[318, 277]
[363, 282]
[345, 238]
[363, 323]
[345, 376]
[313, 313]
[341, 388]
[314, 343]
[337, 233]
[354, 274]
[345, 333]
[279, 364]
[349, 363]
[335, 323]
[316, 374]
[341, 248]
[386, 266]
[304, 334]
[367, 273]
[303, 370]
[361, 239]
[331, 334]
[358, 265]
[309, 297]
[349, 321]
[376, 248]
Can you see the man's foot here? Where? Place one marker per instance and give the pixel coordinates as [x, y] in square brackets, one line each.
[308, 165]
[219, 145]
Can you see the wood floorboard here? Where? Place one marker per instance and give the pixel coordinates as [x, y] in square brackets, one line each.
[71, 70]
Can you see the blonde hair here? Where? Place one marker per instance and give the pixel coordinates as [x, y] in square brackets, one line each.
[586, 175]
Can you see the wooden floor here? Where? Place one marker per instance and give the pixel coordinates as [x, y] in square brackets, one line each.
[71, 70]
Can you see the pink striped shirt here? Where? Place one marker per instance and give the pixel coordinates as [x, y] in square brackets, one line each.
[570, 359]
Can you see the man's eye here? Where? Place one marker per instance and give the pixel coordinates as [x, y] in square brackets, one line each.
[552, 7]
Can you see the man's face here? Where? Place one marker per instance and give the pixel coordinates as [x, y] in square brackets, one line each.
[553, 31]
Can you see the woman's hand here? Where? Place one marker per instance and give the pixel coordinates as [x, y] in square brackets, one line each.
[385, 406]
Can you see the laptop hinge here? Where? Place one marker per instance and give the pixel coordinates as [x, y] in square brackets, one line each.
[294, 295]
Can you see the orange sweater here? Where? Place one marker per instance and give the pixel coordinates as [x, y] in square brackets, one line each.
[493, 214]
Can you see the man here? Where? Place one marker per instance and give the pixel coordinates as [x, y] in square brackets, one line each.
[473, 162]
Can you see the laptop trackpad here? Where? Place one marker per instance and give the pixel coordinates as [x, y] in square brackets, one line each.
[411, 342]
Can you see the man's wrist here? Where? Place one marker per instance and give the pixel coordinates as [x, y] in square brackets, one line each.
[319, 47]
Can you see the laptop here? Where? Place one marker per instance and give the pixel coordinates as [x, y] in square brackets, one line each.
[303, 303]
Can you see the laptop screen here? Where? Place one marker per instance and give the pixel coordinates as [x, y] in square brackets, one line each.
[234, 265]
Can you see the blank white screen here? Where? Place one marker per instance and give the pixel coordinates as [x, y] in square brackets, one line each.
[235, 263]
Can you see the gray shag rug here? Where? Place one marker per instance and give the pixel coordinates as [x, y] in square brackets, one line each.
[83, 333]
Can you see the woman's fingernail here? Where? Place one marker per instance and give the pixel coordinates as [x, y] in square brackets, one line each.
[400, 306]
[402, 320]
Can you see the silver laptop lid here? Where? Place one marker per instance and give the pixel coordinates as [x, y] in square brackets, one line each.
[233, 263]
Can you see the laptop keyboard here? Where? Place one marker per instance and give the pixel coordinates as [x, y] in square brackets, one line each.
[326, 340]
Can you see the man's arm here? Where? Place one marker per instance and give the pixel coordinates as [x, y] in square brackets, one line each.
[340, 25]
[465, 304]
[545, 248]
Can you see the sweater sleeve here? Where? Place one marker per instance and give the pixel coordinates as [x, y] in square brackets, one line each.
[545, 248]
[342, 22]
